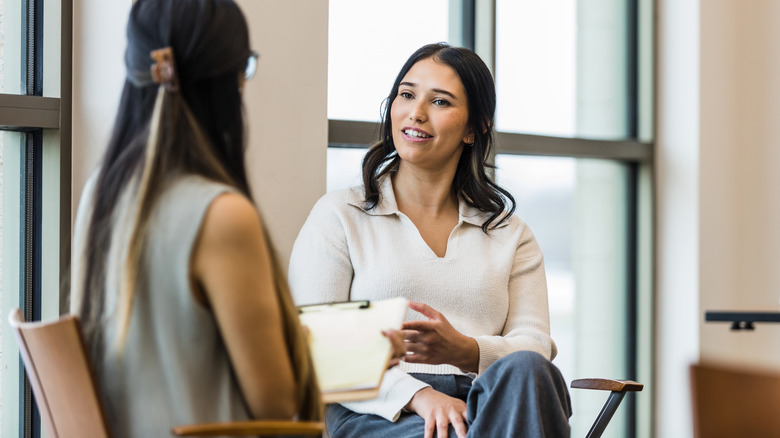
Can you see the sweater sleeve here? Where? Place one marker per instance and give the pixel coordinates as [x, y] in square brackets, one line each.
[320, 266]
[527, 326]
[396, 391]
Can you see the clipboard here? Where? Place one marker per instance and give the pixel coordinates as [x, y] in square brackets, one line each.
[349, 352]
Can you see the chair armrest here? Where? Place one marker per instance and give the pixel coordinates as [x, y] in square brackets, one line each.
[618, 390]
[257, 427]
[607, 384]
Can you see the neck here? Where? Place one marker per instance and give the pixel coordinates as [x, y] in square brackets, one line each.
[424, 191]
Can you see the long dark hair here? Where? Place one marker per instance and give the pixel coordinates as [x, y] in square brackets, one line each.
[471, 181]
[160, 131]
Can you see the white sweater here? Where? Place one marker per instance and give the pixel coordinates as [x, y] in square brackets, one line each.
[491, 287]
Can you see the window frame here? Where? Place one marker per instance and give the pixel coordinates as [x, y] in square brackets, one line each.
[44, 231]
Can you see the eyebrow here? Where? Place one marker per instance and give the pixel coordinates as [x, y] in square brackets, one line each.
[437, 90]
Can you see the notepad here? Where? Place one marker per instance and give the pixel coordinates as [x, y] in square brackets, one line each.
[349, 352]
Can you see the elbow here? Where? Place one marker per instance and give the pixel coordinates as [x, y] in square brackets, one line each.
[279, 406]
[286, 409]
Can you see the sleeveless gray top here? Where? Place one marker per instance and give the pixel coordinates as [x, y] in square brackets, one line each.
[175, 369]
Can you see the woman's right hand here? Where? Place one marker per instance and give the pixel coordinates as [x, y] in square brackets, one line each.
[398, 344]
[439, 411]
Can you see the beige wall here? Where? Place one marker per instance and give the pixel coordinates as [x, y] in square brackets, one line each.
[285, 103]
[718, 204]
[287, 112]
[740, 181]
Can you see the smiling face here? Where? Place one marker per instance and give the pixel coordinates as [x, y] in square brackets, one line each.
[430, 117]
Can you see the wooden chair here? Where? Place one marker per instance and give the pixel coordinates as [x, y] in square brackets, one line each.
[61, 378]
[731, 402]
[618, 390]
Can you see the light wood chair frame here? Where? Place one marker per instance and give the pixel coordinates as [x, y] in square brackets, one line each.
[72, 407]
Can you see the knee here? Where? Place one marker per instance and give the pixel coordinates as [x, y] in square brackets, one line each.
[529, 360]
[523, 365]
[531, 374]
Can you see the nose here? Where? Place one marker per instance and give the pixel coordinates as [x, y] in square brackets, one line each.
[417, 113]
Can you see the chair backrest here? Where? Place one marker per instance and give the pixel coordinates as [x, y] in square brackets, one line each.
[729, 402]
[60, 375]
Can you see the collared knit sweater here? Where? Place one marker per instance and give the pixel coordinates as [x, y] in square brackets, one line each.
[491, 287]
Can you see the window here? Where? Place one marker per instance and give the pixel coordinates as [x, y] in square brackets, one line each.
[536, 66]
[34, 183]
[364, 54]
[574, 142]
[578, 211]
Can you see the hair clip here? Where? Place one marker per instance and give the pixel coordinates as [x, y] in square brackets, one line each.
[164, 69]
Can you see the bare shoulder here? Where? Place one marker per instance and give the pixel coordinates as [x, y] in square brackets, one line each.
[231, 243]
[231, 216]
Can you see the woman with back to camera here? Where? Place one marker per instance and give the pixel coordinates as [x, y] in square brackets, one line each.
[186, 314]
[428, 224]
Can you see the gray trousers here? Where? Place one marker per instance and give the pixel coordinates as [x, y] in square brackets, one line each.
[520, 395]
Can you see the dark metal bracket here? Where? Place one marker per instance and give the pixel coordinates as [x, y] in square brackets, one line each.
[741, 320]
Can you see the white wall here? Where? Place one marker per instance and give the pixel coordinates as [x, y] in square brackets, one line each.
[286, 109]
[98, 75]
[677, 215]
[718, 246]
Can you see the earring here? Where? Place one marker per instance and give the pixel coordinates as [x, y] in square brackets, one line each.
[469, 140]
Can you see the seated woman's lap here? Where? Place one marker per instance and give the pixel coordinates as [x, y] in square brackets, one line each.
[509, 390]
[343, 423]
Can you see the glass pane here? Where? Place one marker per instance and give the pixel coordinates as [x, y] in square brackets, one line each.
[369, 41]
[344, 168]
[577, 211]
[52, 47]
[561, 67]
[3, 301]
[11, 58]
[10, 175]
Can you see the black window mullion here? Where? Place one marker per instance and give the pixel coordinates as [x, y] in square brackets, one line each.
[31, 198]
[632, 222]
[32, 68]
[30, 258]
[632, 68]
[632, 290]
[469, 24]
[37, 47]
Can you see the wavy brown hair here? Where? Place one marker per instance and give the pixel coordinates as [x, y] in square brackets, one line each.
[471, 182]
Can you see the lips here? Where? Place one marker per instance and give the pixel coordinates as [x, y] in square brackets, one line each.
[416, 134]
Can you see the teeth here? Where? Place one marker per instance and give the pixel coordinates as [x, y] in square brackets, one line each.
[417, 134]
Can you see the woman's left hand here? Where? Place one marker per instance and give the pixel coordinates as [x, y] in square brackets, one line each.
[436, 341]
